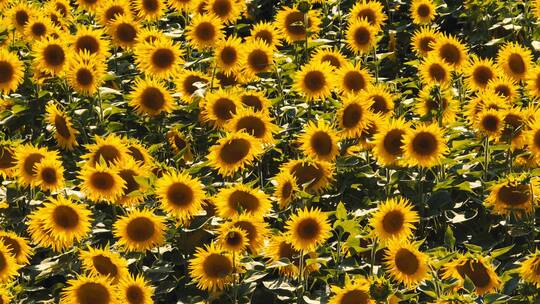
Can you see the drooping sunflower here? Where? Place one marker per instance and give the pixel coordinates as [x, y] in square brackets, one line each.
[280, 248]
[233, 152]
[405, 263]
[191, 84]
[361, 36]
[150, 96]
[135, 290]
[211, 268]
[9, 267]
[89, 289]
[352, 79]
[17, 246]
[319, 141]
[379, 98]
[234, 239]
[533, 137]
[124, 31]
[530, 268]
[180, 195]
[132, 172]
[38, 27]
[180, 144]
[149, 10]
[424, 145]
[90, 40]
[437, 103]
[423, 11]
[353, 116]
[355, 291]
[314, 81]
[140, 230]
[11, 71]
[226, 10]
[515, 60]
[311, 175]
[59, 223]
[533, 82]
[258, 58]
[104, 262]
[285, 189]
[388, 142]
[477, 268]
[27, 157]
[490, 123]
[480, 72]
[423, 40]
[333, 56]
[49, 175]
[65, 134]
[241, 199]
[291, 24]
[219, 107]
[51, 55]
[307, 229]
[182, 5]
[255, 227]
[435, 71]
[109, 10]
[512, 195]
[100, 182]
[394, 219]
[107, 150]
[86, 72]
[256, 124]
[267, 32]
[161, 58]
[204, 31]
[229, 54]
[370, 11]
[450, 50]
[255, 100]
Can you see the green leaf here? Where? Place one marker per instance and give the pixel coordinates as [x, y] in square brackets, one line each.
[498, 252]
[341, 212]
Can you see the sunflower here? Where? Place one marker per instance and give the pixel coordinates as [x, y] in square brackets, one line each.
[234, 239]
[285, 188]
[241, 199]
[311, 175]
[394, 219]
[211, 268]
[334, 57]
[149, 35]
[226, 10]
[109, 10]
[255, 100]
[280, 248]
[139, 152]
[256, 124]
[100, 182]
[204, 31]
[314, 81]
[450, 50]
[255, 227]
[353, 116]
[62, 6]
[135, 290]
[219, 107]
[103, 262]
[88, 5]
[89, 289]
[49, 175]
[533, 82]
[514, 125]
[530, 268]
[435, 71]
[437, 103]
[232, 80]
[37, 28]
[11, 71]
[151, 97]
[319, 141]
[59, 223]
[504, 87]
[371, 11]
[180, 195]
[86, 73]
[356, 291]
[307, 229]
[8, 164]
[191, 84]
[27, 157]
[20, 13]
[484, 100]
[291, 24]
[515, 60]
[352, 79]
[380, 99]
[480, 72]
[258, 58]
[90, 40]
[490, 123]
[149, 10]
[107, 151]
[140, 230]
[267, 32]
[17, 246]
[180, 144]
[512, 195]
[388, 142]
[185, 6]
[65, 134]
[9, 267]
[229, 54]
[233, 152]
[533, 137]
[160, 58]
[124, 31]
[405, 263]
[51, 55]
[361, 36]
[424, 145]
[132, 172]
[475, 267]
[423, 11]
[423, 39]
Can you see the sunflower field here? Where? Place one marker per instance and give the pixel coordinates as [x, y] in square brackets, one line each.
[269, 151]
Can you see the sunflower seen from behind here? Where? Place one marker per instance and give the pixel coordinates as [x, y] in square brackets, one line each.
[308, 229]
[424, 145]
[105, 263]
[139, 230]
[234, 152]
[135, 175]
[241, 199]
[151, 97]
[180, 144]
[211, 268]
[89, 289]
[180, 195]
[435, 104]
[405, 263]
[477, 268]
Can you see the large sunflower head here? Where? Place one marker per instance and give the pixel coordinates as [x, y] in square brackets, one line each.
[291, 23]
[180, 195]
[311, 175]
[319, 141]
[90, 40]
[233, 239]
[475, 267]
[132, 171]
[371, 11]
[280, 248]
[11, 71]
[65, 134]
[480, 72]
[241, 199]
[219, 107]
[234, 152]
[435, 71]
[8, 265]
[405, 263]
[160, 58]
[334, 57]
[89, 289]
[450, 50]
[20, 13]
[361, 36]
[503, 86]
[352, 79]
[104, 262]
[17, 246]
[149, 10]
[204, 31]
[315, 80]
[226, 10]
[515, 60]
[512, 195]
[285, 190]
[124, 31]
[135, 290]
[86, 72]
[107, 151]
[229, 54]
[394, 219]
[256, 100]
[150, 96]
[308, 229]
[211, 268]
[490, 123]
[423, 39]
[355, 291]
[256, 124]
[27, 157]
[139, 153]
[353, 116]
[388, 142]
[100, 182]
[423, 11]
[140, 230]
[267, 32]
[109, 10]
[49, 174]
[424, 145]
[258, 58]
[530, 268]
[51, 55]
[38, 27]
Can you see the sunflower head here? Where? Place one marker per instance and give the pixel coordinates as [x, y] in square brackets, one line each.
[308, 229]
[333, 56]
[424, 145]
[226, 10]
[51, 55]
[280, 248]
[515, 60]
[49, 175]
[180, 144]
[258, 58]
[241, 199]
[103, 262]
[369, 10]
[267, 32]
[530, 268]
[512, 195]
[90, 40]
[18, 246]
[354, 291]
[256, 124]
[423, 39]
[180, 195]
[450, 50]
[319, 141]
[435, 71]
[135, 290]
[311, 175]
[314, 80]
[26, 158]
[406, 263]
[149, 10]
[211, 268]
[394, 219]
[361, 36]
[423, 11]
[151, 97]
[11, 71]
[219, 107]
[160, 58]
[388, 143]
[204, 31]
[89, 289]
[475, 267]
[140, 230]
[286, 188]
[102, 183]
[234, 239]
[291, 23]
[124, 31]
[480, 72]
[234, 152]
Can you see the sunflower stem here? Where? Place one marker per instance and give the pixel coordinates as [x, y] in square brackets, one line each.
[300, 295]
[213, 76]
[100, 104]
[235, 289]
[372, 259]
[340, 27]
[306, 20]
[486, 158]
[387, 185]
[376, 63]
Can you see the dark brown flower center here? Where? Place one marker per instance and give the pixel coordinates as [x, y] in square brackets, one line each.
[180, 195]
[65, 217]
[217, 266]
[424, 144]
[153, 98]
[393, 221]
[406, 261]
[92, 293]
[163, 58]
[234, 151]
[140, 229]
